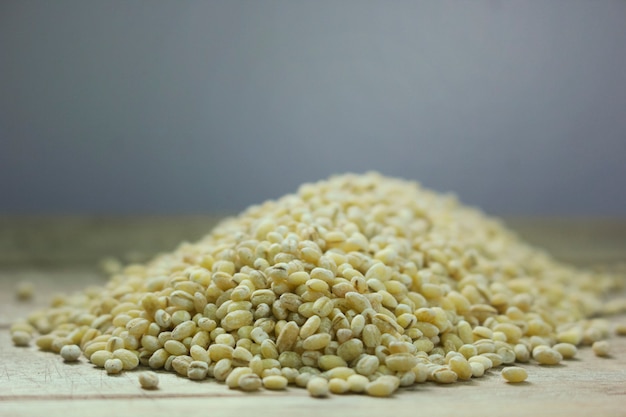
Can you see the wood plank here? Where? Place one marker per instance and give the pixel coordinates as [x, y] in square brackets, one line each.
[47, 282]
[580, 241]
[34, 382]
[39, 383]
[84, 240]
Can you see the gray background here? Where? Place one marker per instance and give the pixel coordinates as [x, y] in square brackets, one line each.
[192, 107]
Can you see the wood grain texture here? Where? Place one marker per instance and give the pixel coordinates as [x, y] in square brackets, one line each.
[27, 241]
[34, 383]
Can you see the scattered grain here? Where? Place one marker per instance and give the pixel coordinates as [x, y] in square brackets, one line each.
[249, 382]
[620, 329]
[384, 386]
[444, 376]
[148, 380]
[129, 359]
[24, 291]
[21, 338]
[70, 353]
[113, 366]
[338, 386]
[317, 387]
[567, 350]
[601, 348]
[357, 383]
[545, 355]
[275, 382]
[514, 374]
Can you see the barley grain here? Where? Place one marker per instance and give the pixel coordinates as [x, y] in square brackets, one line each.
[148, 380]
[601, 348]
[372, 282]
[514, 374]
[70, 353]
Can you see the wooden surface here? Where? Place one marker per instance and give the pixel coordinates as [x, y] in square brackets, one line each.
[34, 383]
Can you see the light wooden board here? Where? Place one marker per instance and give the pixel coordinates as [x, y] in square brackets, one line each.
[38, 383]
[26, 241]
[34, 383]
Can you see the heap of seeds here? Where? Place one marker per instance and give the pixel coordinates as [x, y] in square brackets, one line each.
[361, 283]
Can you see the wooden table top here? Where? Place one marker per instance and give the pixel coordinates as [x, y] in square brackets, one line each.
[34, 383]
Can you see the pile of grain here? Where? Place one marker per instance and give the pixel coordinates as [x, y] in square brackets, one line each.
[361, 283]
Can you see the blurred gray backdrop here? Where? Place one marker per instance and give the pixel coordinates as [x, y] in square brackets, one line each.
[162, 107]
